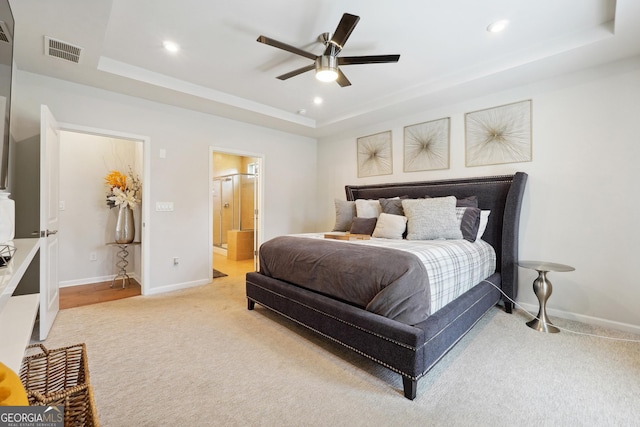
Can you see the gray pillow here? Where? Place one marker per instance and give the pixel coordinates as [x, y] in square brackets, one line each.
[392, 206]
[467, 202]
[432, 218]
[469, 220]
[345, 212]
[363, 225]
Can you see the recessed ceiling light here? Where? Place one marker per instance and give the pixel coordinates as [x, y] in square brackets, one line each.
[171, 46]
[317, 100]
[498, 26]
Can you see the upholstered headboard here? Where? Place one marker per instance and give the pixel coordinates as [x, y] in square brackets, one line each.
[502, 195]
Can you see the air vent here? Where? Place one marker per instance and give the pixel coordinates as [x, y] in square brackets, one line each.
[62, 50]
[5, 36]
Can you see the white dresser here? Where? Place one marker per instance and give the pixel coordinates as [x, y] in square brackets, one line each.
[17, 313]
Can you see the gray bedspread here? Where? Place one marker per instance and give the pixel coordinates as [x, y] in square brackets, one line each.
[384, 281]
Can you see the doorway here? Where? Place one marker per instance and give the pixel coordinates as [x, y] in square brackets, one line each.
[88, 223]
[235, 187]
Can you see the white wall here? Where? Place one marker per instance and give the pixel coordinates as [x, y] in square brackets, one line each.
[581, 201]
[289, 171]
[86, 223]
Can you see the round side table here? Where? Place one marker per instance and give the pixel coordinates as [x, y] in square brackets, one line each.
[542, 288]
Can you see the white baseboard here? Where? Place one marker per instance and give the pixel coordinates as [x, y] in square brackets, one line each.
[91, 280]
[219, 250]
[589, 320]
[176, 287]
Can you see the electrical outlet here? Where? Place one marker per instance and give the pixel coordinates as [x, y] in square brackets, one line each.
[176, 260]
[93, 256]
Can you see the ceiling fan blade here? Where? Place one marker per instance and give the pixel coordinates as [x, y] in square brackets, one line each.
[371, 59]
[342, 33]
[342, 79]
[287, 47]
[296, 72]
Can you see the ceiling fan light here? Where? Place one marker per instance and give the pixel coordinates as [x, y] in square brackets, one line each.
[326, 68]
[327, 75]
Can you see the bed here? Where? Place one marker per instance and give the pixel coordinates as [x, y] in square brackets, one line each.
[407, 346]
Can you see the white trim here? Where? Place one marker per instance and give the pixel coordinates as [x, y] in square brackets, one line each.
[145, 249]
[220, 251]
[97, 279]
[86, 281]
[589, 320]
[109, 65]
[177, 286]
[261, 185]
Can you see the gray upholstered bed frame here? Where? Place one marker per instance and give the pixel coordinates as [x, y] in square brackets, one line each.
[408, 350]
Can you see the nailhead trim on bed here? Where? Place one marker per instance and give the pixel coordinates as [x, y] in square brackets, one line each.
[373, 333]
[329, 315]
[338, 341]
[461, 336]
[507, 180]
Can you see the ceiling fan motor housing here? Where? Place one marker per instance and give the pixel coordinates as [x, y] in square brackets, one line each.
[326, 68]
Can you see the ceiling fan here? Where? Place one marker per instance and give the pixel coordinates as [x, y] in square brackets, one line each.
[326, 65]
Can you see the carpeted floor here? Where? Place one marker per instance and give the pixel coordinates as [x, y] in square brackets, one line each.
[198, 357]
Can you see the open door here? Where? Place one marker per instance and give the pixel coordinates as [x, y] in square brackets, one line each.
[49, 201]
[256, 214]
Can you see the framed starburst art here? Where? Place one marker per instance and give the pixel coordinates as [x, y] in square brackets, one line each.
[426, 146]
[375, 155]
[499, 135]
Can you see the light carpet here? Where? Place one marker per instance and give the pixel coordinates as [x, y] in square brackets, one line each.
[198, 357]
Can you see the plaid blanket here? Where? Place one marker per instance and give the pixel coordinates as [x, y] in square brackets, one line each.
[453, 266]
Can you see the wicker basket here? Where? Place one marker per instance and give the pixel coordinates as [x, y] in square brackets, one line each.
[60, 377]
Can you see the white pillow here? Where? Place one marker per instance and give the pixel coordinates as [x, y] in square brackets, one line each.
[390, 226]
[484, 219]
[432, 218]
[368, 208]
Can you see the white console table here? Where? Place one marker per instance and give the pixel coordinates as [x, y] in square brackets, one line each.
[17, 314]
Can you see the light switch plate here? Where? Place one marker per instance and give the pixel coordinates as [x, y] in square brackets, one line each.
[164, 206]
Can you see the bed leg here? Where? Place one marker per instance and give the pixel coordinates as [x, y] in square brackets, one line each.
[508, 307]
[250, 304]
[410, 387]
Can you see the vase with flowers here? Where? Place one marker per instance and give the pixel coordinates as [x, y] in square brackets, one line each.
[123, 192]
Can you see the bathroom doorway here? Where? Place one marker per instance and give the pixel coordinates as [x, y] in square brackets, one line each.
[235, 189]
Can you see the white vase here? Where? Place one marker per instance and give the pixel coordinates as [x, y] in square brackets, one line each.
[7, 217]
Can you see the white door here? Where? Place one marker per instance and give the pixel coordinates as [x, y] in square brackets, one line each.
[256, 214]
[49, 205]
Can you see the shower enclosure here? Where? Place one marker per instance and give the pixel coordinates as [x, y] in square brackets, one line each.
[233, 205]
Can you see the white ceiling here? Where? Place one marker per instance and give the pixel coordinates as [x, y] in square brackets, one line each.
[445, 51]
